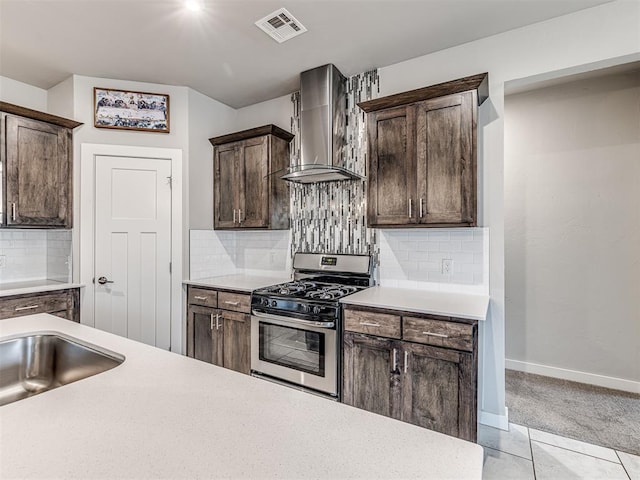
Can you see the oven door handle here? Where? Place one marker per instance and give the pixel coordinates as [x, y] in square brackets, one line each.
[292, 321]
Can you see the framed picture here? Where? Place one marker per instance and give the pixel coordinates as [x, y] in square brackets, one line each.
[126, 110]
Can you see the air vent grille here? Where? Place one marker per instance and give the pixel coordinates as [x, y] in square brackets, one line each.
[281, 25]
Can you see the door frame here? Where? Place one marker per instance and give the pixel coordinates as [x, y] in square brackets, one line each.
[86, 227]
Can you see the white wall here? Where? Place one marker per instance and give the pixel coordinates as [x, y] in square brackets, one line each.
[22, 94]
[207, 118]
[276, 112]
[572, 229]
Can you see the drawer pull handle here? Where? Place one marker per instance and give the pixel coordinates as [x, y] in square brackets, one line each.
[30, 307]
[369, 324]
[229, 302]
[199, 298]
[431, 334]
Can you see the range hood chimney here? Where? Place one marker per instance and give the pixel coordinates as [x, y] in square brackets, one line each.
[323, 119]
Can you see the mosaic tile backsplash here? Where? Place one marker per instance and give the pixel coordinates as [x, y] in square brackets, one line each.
[331, 216]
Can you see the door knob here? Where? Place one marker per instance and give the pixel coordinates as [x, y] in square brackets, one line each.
[103, 280]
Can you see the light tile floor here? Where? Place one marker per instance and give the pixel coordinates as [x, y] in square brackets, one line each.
[527, 454]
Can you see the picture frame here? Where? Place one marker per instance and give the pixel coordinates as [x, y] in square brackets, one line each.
[130, 110]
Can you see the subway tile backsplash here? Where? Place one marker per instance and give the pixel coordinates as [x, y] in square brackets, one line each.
[413, 258]
[215, 253]
[35, 255]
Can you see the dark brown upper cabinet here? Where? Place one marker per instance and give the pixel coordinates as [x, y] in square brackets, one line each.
[37, 165]
[422, 162]
[247, 189]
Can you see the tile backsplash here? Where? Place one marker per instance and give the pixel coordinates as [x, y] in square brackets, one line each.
[215, 253]
[413, 258]
[35, 255]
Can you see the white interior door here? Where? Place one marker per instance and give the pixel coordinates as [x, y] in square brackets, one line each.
[132, 285]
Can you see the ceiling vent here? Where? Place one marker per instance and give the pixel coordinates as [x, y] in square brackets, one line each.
[281, 25]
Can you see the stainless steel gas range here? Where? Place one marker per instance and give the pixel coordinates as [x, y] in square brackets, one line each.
[295, 326]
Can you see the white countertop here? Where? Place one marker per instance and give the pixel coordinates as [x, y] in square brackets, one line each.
[460, 305]
[240, 282]
[162, 415]
[34, 286]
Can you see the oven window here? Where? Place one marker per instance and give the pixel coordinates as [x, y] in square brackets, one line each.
[302, 350]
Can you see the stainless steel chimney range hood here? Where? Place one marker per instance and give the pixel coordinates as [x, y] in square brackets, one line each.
[323, 126]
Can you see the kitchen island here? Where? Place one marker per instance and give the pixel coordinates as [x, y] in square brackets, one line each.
[163, 415]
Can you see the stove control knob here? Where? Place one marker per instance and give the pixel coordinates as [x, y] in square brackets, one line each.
[305, 308]
[274, 304]
[264, 302]
[316, 309]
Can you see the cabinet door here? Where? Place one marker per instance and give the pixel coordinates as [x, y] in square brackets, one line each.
[254, 185]
[237, 341]
[446, 160]
[371, 380]
[205, 331]
[437, 390]
[226, 187]
[38, 173]
[391, 175]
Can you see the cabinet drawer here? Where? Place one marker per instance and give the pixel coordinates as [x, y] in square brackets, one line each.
[202, 296]
[438, 333]
[16, 307]
[234, 301]
[372, 323]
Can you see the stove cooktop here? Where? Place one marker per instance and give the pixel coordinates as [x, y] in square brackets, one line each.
[309, 290]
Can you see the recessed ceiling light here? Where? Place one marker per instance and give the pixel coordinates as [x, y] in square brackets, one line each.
[193, 5]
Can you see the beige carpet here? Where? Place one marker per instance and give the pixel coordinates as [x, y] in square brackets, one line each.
[610, 418]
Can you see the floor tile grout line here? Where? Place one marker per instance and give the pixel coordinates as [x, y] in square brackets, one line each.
[533, 463]
[623, 466]
[580, 453]
[508, 453]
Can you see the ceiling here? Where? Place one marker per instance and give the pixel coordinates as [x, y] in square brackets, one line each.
[222, 54]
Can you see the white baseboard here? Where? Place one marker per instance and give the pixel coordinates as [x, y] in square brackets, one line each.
[574, 375]
[493, 420]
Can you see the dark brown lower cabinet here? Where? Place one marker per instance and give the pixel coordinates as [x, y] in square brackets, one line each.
[221, 336]
[63, 303]
[371, 380]
[204, 334]
[428, 385]
[237, 345]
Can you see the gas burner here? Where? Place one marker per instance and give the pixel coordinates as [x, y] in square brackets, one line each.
[331, 292]
[293, 288]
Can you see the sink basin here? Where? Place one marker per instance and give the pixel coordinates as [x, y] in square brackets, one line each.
[40, 362]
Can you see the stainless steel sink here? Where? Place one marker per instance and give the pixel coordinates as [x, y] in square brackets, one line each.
[39, 362]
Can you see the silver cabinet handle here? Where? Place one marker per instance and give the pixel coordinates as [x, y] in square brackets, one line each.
[211, 321]
[431, 334]
[234, 215]
[410, 208]
[218, 322]
[395, 360]
[406, 360]
[199, 298]
[30, 307]
[240, 215]
[421, 209]
[368, 324]
[13, 211]
[229, 302]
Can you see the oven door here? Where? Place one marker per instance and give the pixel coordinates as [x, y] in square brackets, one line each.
[296, 351]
